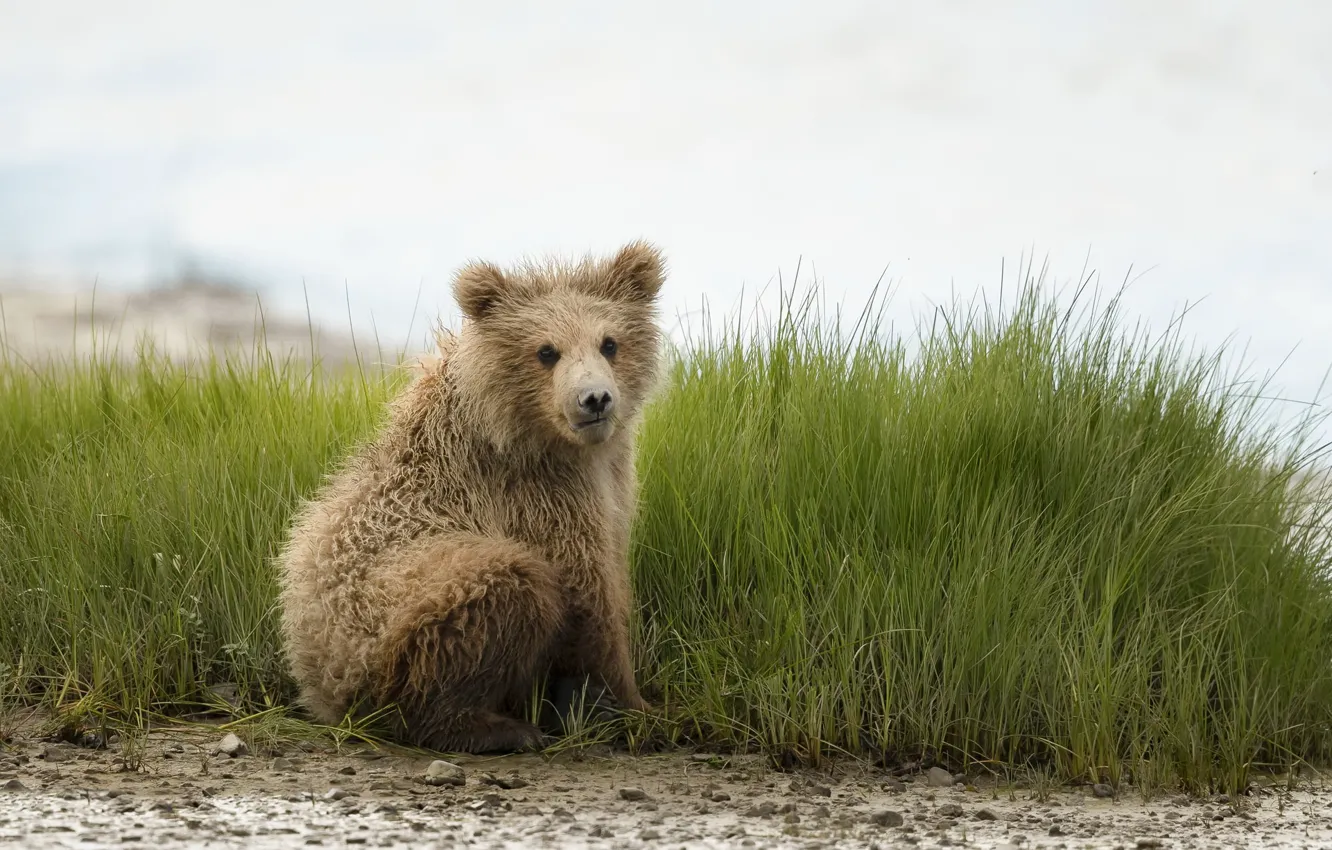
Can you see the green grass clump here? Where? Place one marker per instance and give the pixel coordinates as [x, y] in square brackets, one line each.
[1032, 539]
[140, 504]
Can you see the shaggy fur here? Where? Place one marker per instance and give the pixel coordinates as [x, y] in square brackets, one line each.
[481, 540]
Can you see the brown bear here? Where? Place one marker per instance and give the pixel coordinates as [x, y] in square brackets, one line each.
[480, 542]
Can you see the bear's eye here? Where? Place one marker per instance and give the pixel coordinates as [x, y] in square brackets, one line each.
[608, 347]
[547, 355]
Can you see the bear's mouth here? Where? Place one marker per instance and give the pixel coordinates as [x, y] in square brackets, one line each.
[589, 423]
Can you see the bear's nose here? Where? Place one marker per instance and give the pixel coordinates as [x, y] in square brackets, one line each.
[595, 402]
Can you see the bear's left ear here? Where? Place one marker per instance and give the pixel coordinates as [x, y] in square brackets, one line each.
[635, 273]
[477, 287]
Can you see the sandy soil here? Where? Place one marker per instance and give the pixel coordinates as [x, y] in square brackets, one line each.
[182, 793]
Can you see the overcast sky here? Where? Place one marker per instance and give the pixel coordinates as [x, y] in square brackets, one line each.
[1189, 142]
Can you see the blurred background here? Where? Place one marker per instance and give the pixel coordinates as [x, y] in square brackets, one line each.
[352, 155]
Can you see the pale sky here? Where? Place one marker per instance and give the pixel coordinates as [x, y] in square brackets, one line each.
[1187, 142]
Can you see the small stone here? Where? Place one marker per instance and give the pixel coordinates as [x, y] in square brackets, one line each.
[633, 794]
[55, 755]
[1222, 799]
[508, 783]
[894, 786]
[649, 835]
[1100, 789]
[282, 764]
[821, 790]
[334, 794]
[719, 797]
[761, 810]
[14, 785]
[441, 772]
[987, 814]
[821, 812]
[887, 818]
[792, 817]
[950, 810]
[1149, 842]
[231, 746]
[1057, 830]
[937, 777]
[347, 771]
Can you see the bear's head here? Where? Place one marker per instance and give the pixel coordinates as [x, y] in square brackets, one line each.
[564, 353]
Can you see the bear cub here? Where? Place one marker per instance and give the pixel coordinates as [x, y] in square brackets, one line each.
[480, 541]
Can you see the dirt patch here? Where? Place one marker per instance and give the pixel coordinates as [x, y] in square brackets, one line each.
[185, 791]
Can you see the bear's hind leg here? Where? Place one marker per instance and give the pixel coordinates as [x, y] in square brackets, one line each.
[475, 625]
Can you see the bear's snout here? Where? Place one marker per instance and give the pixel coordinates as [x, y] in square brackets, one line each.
[588, 408]
[595, 402]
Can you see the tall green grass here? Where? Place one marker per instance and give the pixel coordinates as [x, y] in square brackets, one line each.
[1026, 537]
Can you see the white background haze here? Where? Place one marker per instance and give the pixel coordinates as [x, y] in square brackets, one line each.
[365, 150]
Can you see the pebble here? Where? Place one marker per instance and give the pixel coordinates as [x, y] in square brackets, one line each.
[1149, 842]
[231, 746]
[441, 772]
[719, 797]
[1100, 789]
[55, 755]
[283, 764]
[1057, 830]
[987, 814]
[821, 790]
[895, 786]
[14, 785]
[347, 771]
[633, 794]
[950, 810]
[334, 794]
[761, 810]
[887, 818]
[649, 835]
[937, 777]
[508, 783]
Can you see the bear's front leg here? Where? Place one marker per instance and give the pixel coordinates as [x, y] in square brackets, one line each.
[597, 640]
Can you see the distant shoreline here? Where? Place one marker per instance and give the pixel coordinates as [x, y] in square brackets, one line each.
[183, 318]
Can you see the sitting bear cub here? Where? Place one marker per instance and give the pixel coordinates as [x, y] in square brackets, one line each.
[480, 541]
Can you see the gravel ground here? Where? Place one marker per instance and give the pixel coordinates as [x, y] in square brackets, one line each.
[186, 794]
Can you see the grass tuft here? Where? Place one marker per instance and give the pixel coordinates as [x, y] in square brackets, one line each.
[1028, 540]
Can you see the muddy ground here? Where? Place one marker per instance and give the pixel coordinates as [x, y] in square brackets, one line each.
[181, 792]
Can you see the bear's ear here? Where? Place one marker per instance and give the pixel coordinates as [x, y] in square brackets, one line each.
[635, 273]
[477, 287]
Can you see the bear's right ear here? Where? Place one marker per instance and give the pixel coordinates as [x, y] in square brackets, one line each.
[635, 273]
[477, 287]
